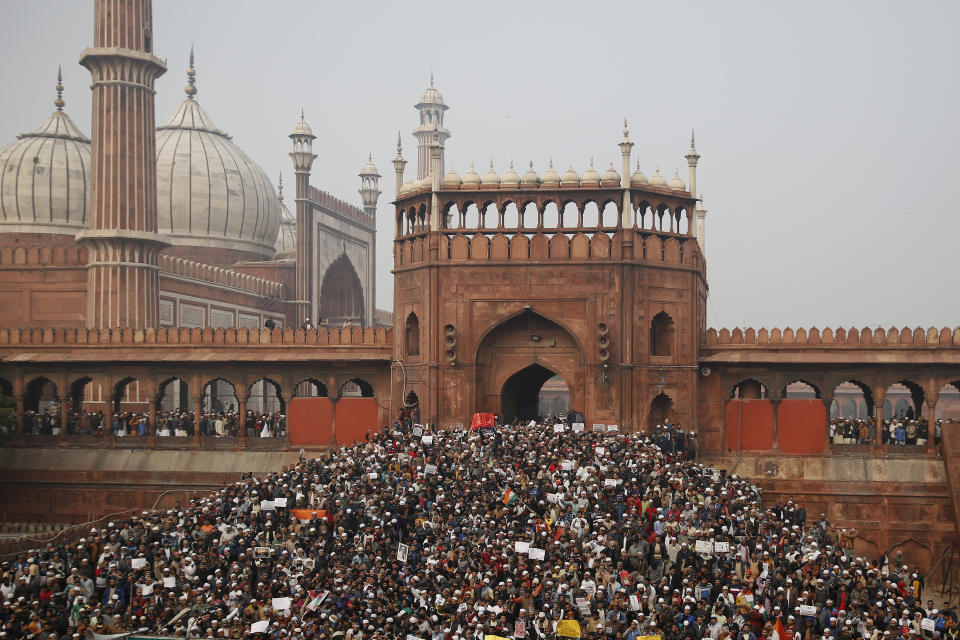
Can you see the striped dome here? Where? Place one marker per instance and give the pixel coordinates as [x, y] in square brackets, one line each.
[209, 192]
[44, 178]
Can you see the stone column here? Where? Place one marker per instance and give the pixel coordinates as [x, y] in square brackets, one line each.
[878, 399]
[932, 416]
[242, 396]
[152, 392]
[197, 392]
[827, 398]
[21, 401]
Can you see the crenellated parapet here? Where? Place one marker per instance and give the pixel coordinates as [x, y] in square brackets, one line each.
[815, 337]
[208, 337]
[324, 200]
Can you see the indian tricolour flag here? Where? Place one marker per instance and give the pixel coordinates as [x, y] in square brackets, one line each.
[509, 497]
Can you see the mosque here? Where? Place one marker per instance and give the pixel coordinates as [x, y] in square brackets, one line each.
[231, 251]
[152, 266]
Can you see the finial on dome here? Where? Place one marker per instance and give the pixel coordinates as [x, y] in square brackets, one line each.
[58, 103]
[191, 88]
[591, 162]
[551, 162]
[491, 163]
[280, 187]
[301, 114]
[431, 78]
[626, 129]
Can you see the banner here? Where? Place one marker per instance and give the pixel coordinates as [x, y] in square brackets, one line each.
[568, 628]
[305, 515]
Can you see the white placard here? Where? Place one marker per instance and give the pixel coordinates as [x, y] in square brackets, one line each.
[266, 505]
[704, 546]
[611, 482]
[417, 432]
[553, 497]
[372, 476]
[429, 469]
[427, 439]
[578, 427]
[612, 428]
[279, 502]
[928, 624]
[721, 547]
[403, 550]
[169, 582]
[521, 547]
[583, 605]
[566, 465]
[808, 610]
[600, 450]
[599, 428]
[260, 627]
[558, 428]
[536, 554]
[634, 603]
[281, 604]
[138, 563]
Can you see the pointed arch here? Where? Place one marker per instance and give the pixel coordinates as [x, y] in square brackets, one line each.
[341, 293]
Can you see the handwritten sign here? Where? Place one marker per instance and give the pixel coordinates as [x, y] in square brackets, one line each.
[280, 502]
[169, 582]
[634, 603]
[568, 628]
[704, 546]
[808, 610]
[928, 624]
[138, 563]
[536, 554]
[612, 428]
[566, 465]
[429, 469]
[266, 505]
[578, 427]
[721, 547]
[558, 428]
[521, 547]
[281, 604]
[599, 428]
[428, 440]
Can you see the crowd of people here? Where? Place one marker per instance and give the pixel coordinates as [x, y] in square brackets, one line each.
[214, 424]
[898, 431]
[531, 532]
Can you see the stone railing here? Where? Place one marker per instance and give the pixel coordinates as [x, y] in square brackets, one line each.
[814, 337]
[333, 336]
[600, 245]
[182, 268]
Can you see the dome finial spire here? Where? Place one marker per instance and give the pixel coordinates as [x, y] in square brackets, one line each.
[280, 187]
[431, 78]
[58, 103]
[191, 88]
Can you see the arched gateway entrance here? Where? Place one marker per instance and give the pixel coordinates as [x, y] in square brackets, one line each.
[517, 357]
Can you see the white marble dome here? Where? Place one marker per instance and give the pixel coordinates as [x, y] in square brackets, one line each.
[286, 244]
[44, 179]
[209, 192]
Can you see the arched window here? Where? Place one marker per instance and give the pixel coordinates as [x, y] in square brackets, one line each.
[412, 335]
[661, 335]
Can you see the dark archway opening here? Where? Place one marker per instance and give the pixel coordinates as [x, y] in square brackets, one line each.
[341, 294]
[661, 335]
[661, 410]
[520, 397]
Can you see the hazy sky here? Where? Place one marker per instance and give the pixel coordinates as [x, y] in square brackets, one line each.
[828, 130]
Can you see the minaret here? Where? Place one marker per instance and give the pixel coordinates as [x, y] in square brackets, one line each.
[626, 148]
[702, 226]
[431, 108]
[369, 194]
[692, 159]
[303, 157]
[399, 164]
[122, 241]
